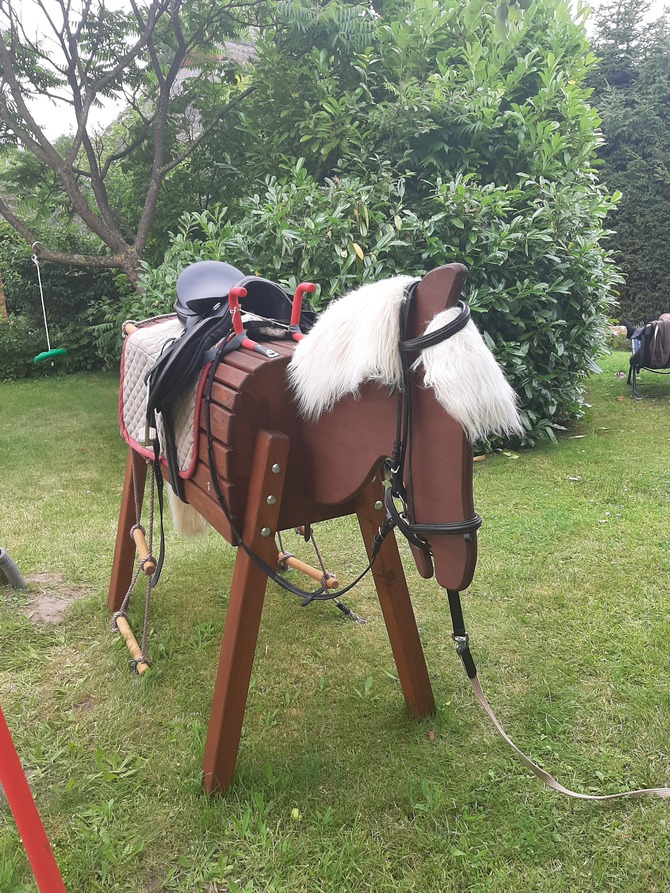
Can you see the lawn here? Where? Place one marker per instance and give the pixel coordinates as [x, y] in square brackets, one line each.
[338, 788]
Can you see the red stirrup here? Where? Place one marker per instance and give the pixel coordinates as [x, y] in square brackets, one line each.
[234, 295]
[303, 289]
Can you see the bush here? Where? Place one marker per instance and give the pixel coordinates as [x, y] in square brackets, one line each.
[538, 286]
[292, 230]
[441, 142]
[21, 342]
[77, 301]
[17, 349]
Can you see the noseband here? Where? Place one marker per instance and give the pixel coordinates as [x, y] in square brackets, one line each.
[399, 489]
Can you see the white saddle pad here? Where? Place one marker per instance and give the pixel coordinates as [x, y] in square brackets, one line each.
[140, 349]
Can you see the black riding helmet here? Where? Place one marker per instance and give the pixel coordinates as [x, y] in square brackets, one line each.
[205, 284]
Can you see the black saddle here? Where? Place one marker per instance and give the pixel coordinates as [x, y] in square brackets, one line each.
[203, 287]
[202, 306]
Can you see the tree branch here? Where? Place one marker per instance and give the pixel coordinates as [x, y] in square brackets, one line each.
[88, 64]
[207, 130]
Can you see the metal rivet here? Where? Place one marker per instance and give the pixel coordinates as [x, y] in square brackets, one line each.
[265, 531]
[378, 504]
[276, 469]
[271, 500]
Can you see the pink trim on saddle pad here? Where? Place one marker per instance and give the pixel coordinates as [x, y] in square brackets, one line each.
[140, 350]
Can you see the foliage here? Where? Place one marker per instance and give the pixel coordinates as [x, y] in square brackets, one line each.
[155, 55]
[17, 348]
[438, 143]
[295, 230]
[632, 94]
[365, 144]
[75, 299]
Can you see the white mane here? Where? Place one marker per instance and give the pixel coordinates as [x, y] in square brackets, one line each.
[356, 340]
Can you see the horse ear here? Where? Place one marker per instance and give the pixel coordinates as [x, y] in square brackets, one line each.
[438, 290]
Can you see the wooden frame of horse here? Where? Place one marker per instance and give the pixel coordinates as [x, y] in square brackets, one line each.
[278, 472]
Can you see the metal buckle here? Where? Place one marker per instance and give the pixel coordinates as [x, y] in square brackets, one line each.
[461, 642]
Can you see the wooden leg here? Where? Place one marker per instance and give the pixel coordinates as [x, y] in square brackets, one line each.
[124, 550]
[245, 606]
[396, 605]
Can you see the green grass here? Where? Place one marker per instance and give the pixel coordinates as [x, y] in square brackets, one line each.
[568, 616]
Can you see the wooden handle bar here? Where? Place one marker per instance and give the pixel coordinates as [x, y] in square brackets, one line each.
[131, 643]
[149, 567]
[129, 328]
[291, 561]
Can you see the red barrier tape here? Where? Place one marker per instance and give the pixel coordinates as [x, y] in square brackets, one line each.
[26, 816]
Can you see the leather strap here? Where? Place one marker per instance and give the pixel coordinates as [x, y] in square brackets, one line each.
[549, 780]
[415, 345]
[460, 637]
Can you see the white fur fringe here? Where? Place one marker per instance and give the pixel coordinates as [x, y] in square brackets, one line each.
[468, 382]
[356, 340]
[187, 521]
[353, 341]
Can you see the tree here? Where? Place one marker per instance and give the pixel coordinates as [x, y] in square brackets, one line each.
[155, 56]
[171, 63]
[632, 94]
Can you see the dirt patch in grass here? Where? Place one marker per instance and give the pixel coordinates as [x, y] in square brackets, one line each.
[48, 597]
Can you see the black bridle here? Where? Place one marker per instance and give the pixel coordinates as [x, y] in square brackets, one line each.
[403, 519]
[400, 488]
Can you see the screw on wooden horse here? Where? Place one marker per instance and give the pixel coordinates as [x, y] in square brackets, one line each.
[372, 413]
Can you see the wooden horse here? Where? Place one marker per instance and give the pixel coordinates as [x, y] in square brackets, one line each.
[278, 470]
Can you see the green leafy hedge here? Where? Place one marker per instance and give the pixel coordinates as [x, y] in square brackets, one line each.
[17, 349]
[78, 304]
[632, 94]
[538, 283]
[441, 142]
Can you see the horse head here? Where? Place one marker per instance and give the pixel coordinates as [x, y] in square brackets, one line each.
[347, 375]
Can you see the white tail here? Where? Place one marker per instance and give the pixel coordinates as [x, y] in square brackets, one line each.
[186, 520]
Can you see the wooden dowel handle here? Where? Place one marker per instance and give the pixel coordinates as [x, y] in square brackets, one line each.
[307, 569]
[129, 328]
[131, 643]
[149, 567]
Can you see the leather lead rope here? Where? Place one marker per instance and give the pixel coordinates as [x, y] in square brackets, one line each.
[460, 638]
